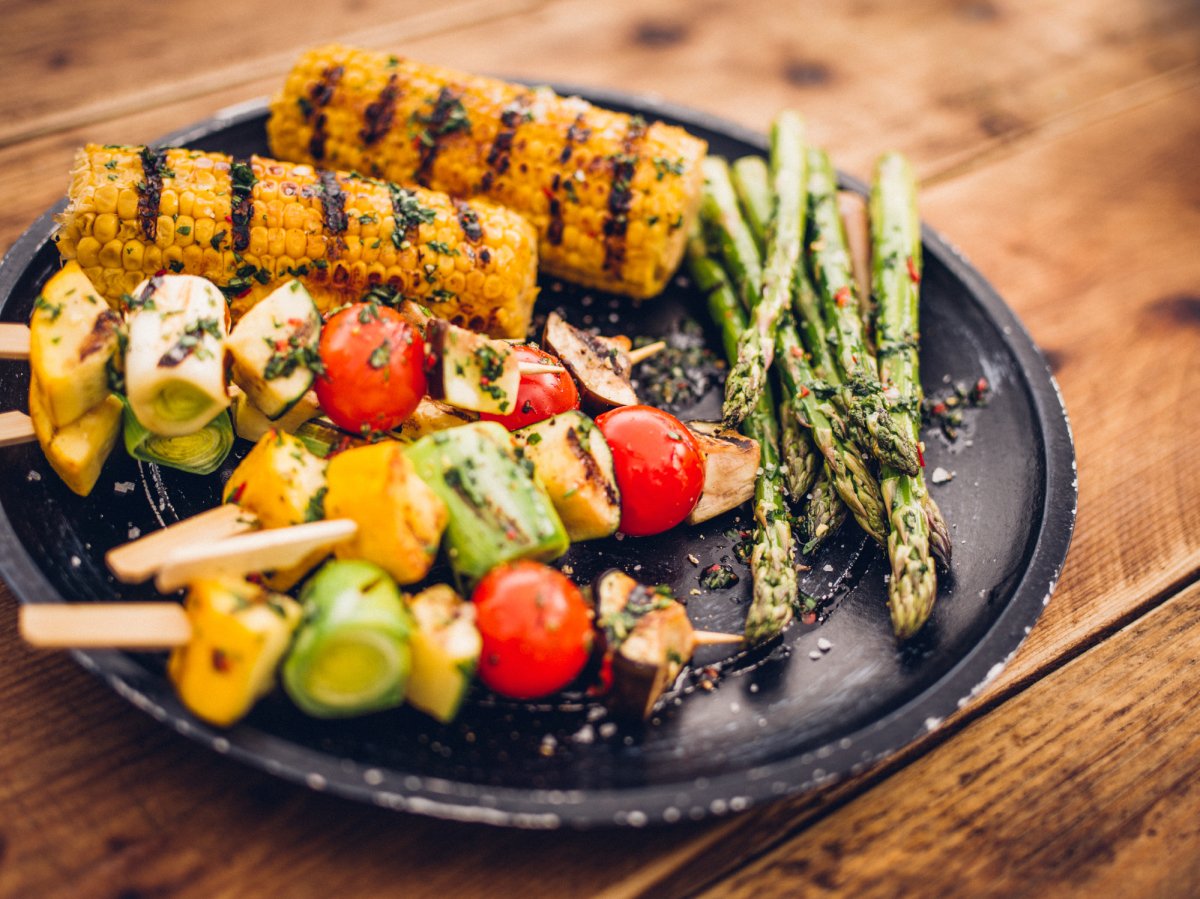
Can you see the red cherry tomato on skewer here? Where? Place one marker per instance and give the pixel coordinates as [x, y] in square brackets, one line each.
[658, 465]
[374, 368]
[536, 629]
[539, 396]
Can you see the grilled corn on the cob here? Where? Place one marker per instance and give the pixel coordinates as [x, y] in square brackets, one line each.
[249, 224]
[611, 196]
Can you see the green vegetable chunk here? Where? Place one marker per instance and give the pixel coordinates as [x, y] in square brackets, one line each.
[199, 453]
[351, 655]
[498, 512]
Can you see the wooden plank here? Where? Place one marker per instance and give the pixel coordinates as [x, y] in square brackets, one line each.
[1083, 785]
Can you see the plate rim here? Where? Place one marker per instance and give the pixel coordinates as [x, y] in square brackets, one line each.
[645, 804]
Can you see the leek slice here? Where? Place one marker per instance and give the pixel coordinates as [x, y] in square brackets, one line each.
[201, 452]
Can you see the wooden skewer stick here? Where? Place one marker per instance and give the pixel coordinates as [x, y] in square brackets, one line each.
[138, 560]
[540, 368]
[245, 553]
[15, 427]
[14, 341]
[715, 638]
[110, 625]
[641, 354]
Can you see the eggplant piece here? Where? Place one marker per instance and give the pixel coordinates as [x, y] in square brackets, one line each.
[600, 365]
[648, 638]
[731, 463]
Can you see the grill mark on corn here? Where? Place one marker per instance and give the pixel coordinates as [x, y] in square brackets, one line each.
[499, 155]
[468, 220]
[319, 96]
[577, 133]
[333, 217]
[620, 196]
[241, 175]
[149, 190]
[446, 117]
[378, 116]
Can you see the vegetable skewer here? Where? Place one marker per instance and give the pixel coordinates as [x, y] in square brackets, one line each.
[896, 269]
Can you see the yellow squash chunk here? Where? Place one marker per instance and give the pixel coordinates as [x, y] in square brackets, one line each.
[400, 519]
[445, 651]
[76, 452]
[72, 336]
[280, 481]
[239, 634]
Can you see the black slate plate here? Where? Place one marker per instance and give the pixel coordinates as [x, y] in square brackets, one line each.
[758, 725]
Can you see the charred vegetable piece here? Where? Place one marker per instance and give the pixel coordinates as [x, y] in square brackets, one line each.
[400, 519]
[498, 512]
[600, 365]
[72, 337]
[280, 481]
[429, 417]
[731, 463]
[250, 423]
[648, 639]
[445, 651]
[239, 633]
[274, 349]
[200, 452]
[471, 371]
[175, 361]
[351, 655]
[574, 463]
[76, 451]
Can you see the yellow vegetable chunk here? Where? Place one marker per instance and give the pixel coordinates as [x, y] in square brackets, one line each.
[72, 336]
[445, 651]
[76, 452]
[280, 481]
[400, 519]
[240, 632]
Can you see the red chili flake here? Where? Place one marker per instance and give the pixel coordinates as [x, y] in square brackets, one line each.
[160, 273]
[809, 618]
[797, 352]
[803, 392]
[921, 453]
[281, 345]
[842, 297]
[912, 271]
[938, 409]
[981, 385]
[548, 192]
[220, 661]
[236, 496]
[295, 322]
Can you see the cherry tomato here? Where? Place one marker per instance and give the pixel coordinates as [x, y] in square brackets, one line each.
[658, 465]
[536, 629]
[539, 396]
[374, 368]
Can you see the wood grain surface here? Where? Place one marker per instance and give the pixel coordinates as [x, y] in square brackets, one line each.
[1057, 142]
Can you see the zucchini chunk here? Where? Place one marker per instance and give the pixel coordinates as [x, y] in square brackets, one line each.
[200, 452]
[73, 335]
[445, 651]
[731, 463]
[400, 519]
[76, 451]
[574, 463]
[250, 422]
[351, 655]
[240, 631]
[274, 349]
[498, 511]
[471, 371]
[175, 361]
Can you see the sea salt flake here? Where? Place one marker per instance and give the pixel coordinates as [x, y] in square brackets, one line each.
[824, 645]
[124, 487]
[941, 476]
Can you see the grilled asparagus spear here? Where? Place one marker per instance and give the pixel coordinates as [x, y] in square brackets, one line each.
[756, 345]
[752, 184]
[829, 258]
[772, 559]
[824, 512]
[896, 268]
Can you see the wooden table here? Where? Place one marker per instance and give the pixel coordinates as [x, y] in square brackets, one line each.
[1057, 142]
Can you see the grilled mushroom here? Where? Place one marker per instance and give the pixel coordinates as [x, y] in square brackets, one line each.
[600, 365]
[731, 463]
